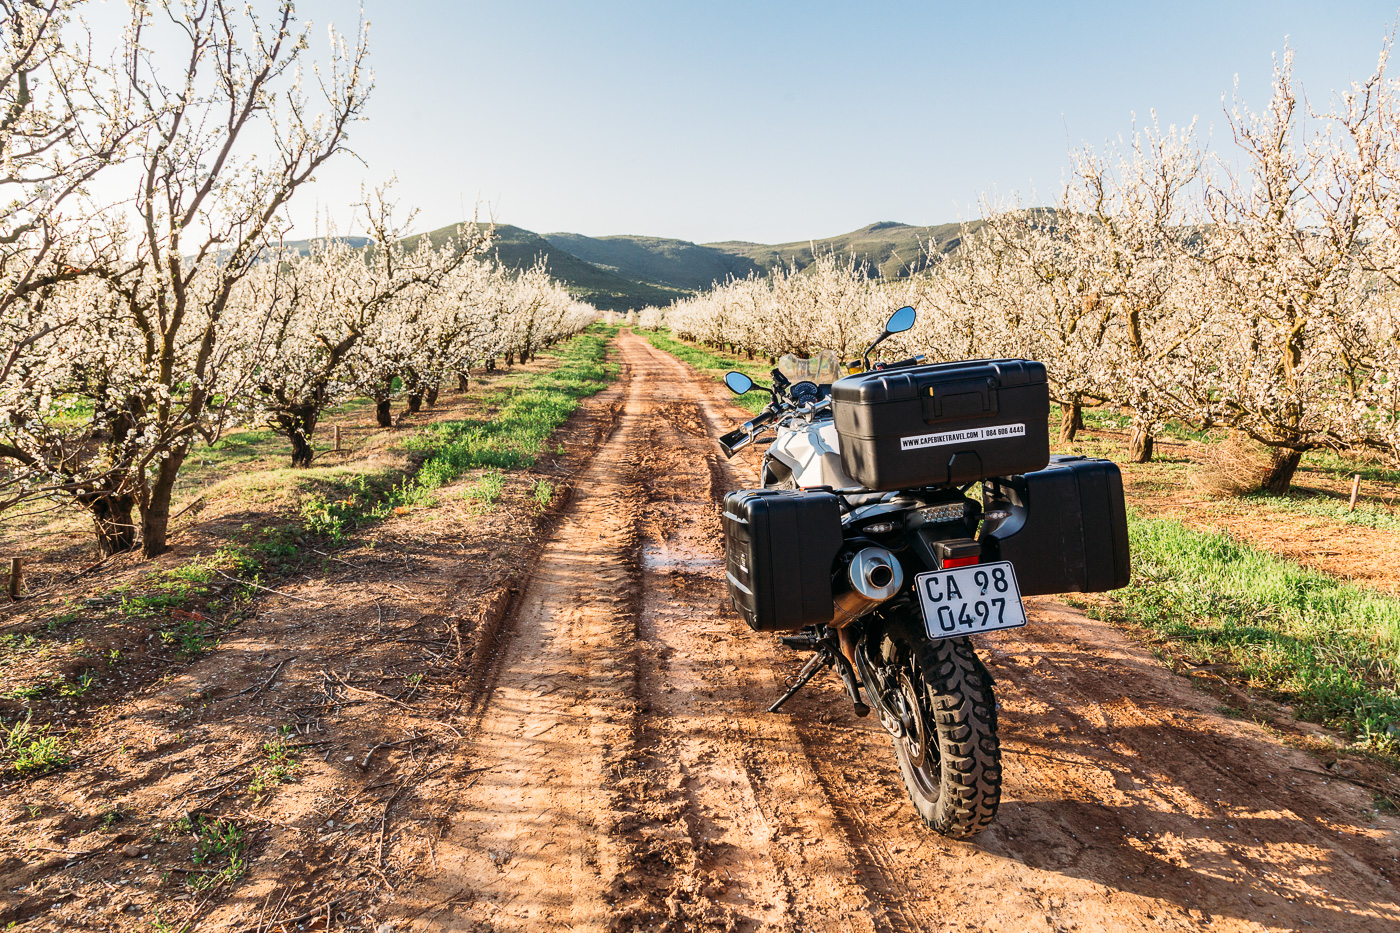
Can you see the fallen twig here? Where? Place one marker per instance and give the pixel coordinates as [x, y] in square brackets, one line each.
[378, 696]
[259, 927]
[338, 560]
[259, 688]
[384, 822]
[370, 754]
[265, 589]
[1385, 792]
[347, 802]
[415, 778]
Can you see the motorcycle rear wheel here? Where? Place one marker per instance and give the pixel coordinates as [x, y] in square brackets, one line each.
[954, 780]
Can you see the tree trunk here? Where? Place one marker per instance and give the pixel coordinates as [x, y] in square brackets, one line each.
[491, 365]
[1071, 420]
[1282, 466]
[298, 424]
[750, 352]
[111, 519]
[510, 358]
[432, 396]
[1140, 447]
[382, 414]
[155, 512]
[301, 450]
[415, 402]
[464, 382]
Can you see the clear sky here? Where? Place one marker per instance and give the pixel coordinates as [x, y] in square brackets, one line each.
[780, 121]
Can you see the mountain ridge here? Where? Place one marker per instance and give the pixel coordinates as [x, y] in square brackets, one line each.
[631, 271]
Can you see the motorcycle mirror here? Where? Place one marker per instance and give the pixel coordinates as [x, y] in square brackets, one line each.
[901, 320]
[738, 383]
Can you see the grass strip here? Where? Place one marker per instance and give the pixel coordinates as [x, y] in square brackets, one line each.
[1329, 507]
[1330, 649]
[716, 363]
[525, 414]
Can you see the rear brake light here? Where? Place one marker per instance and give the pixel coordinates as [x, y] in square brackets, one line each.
[951, 562]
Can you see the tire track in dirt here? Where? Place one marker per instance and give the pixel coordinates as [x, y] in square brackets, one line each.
[886, 898]
[757, 848]
[531, 841]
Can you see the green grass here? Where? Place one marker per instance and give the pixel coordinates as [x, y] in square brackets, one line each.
[716, 363]
[526, 413]
[31, 750]
[487, 488]
[1329, 507]
[1331, 649]
[518, 416]
[219, 850]
[1343, 467]
[1117, 419]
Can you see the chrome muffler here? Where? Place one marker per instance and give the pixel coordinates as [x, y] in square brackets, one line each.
[874, 575]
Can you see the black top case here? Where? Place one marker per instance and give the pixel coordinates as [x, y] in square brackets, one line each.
[942, 425]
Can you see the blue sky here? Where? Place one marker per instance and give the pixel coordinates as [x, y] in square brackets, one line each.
[780, 121]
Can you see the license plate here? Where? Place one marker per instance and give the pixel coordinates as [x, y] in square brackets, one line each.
[970, 600]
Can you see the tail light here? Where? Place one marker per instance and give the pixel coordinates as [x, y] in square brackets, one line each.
[959, 552]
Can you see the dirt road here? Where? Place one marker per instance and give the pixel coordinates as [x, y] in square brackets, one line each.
[624, 775]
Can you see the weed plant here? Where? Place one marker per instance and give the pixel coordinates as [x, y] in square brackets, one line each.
[31, 750]
[488, 488]
[278, 765]
[1329, 648]
[543, 493]
[219, 850]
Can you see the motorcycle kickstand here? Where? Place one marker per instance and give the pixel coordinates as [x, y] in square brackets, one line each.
[822, 658]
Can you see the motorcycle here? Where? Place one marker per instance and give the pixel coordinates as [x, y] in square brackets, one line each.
[867, 547]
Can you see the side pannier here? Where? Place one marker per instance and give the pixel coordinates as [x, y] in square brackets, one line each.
[1064, 529]
[779, 548]
[942, 425]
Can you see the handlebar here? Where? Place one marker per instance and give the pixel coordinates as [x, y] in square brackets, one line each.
[911, 361]
[745, 434]
[855, 367]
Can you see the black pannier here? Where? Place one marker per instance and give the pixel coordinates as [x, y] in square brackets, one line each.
[944, 424]
[1065, 528]
[779, 547]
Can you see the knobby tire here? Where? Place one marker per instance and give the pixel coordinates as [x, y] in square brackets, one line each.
[965, 766]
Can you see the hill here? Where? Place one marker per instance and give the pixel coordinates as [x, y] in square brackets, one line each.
[303, 247]
[673, 263]
[893, 250]
[518, 248]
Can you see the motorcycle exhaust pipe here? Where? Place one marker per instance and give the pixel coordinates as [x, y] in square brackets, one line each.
[874, 575]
